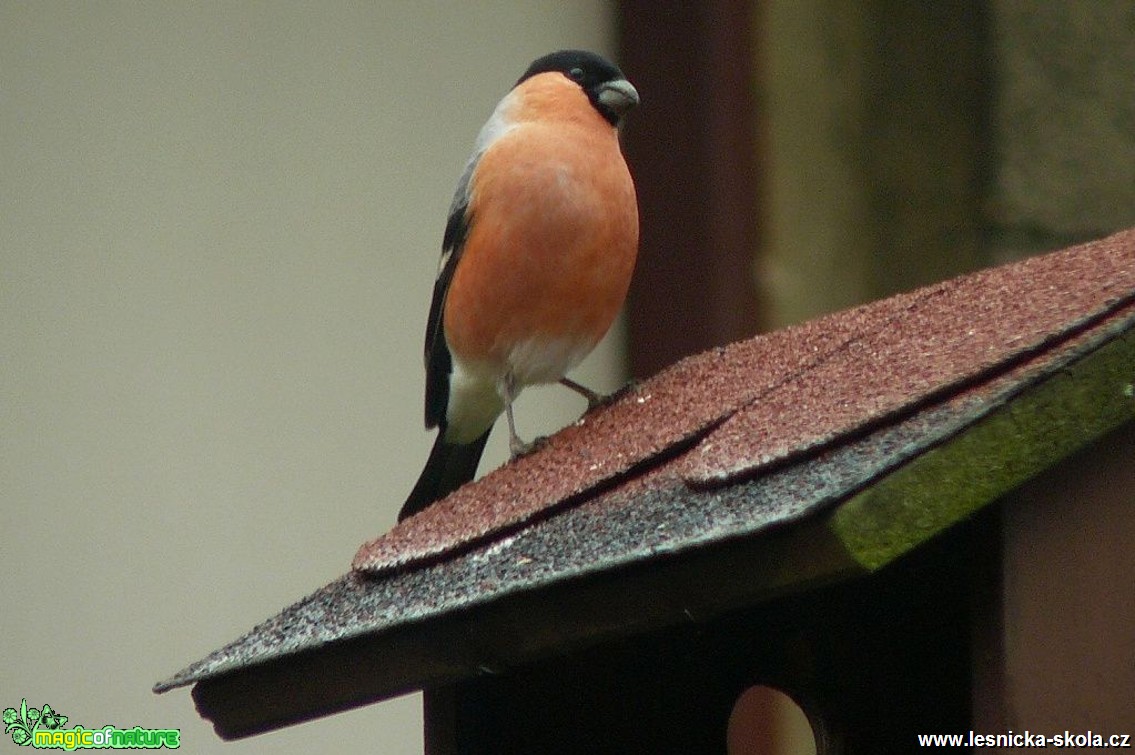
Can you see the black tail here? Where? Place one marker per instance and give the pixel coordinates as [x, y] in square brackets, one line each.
[449, 467]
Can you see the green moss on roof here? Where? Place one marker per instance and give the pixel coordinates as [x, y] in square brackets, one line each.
[950, 482]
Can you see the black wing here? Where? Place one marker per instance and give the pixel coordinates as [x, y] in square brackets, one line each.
[439, 364]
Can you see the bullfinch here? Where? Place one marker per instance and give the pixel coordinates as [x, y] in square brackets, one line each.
[536, 258]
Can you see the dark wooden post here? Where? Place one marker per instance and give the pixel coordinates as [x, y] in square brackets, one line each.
[693, 149]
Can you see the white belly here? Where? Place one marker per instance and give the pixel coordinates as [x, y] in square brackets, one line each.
[477, 390]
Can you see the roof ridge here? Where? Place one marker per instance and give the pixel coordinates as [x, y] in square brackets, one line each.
[771, 398]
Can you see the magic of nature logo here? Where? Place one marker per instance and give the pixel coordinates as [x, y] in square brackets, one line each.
[43, 728]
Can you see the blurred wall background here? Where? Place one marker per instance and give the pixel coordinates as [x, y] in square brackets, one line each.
[910, 142]
[219, 226]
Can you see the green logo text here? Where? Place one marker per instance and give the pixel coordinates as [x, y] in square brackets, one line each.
[44, 729]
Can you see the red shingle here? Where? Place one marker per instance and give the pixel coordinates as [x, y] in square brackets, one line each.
[761, 401]
[957, 334]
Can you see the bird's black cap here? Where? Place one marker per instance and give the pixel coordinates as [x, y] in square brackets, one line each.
[594, 74]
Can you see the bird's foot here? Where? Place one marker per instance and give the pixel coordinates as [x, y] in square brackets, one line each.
[596, 400]
[519, 448]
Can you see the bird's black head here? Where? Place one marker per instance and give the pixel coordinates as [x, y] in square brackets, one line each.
[602, 81]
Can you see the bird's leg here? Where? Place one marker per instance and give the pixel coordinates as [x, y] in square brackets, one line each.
[593, 399]
[516, 446]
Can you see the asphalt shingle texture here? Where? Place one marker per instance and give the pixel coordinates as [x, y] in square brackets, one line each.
[717, 450]
[761, 402]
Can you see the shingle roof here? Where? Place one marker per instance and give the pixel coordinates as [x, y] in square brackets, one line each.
[814, 452]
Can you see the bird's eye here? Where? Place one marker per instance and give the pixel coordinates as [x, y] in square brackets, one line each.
[576, 74]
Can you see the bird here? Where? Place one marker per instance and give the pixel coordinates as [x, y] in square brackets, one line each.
[537, 255]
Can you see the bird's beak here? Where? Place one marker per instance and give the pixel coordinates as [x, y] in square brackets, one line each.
[619, 95]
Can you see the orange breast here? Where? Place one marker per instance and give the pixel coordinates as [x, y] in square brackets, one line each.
[552, 243]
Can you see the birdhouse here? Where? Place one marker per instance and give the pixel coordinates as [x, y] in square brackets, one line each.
[910, 519]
